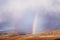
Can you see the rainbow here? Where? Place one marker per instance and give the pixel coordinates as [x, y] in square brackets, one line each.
[34, 24]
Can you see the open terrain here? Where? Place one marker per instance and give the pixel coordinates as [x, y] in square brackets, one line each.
[54, 35]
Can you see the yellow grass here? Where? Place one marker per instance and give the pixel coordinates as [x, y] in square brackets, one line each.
[40, 36]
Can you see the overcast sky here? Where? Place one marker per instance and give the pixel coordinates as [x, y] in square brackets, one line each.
[19, 15]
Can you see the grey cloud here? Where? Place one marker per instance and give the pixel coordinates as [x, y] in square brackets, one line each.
[22, 16]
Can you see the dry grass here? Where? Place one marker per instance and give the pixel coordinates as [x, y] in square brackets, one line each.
[41, 36]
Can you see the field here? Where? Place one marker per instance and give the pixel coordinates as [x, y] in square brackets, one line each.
[54, 35]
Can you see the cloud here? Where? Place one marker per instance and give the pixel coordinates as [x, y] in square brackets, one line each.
[22, 13]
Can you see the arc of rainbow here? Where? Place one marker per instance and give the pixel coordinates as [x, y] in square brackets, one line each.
[34, 24]
[15, 31]
[14, 24]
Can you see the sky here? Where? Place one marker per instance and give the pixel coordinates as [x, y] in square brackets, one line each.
[19, 15]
